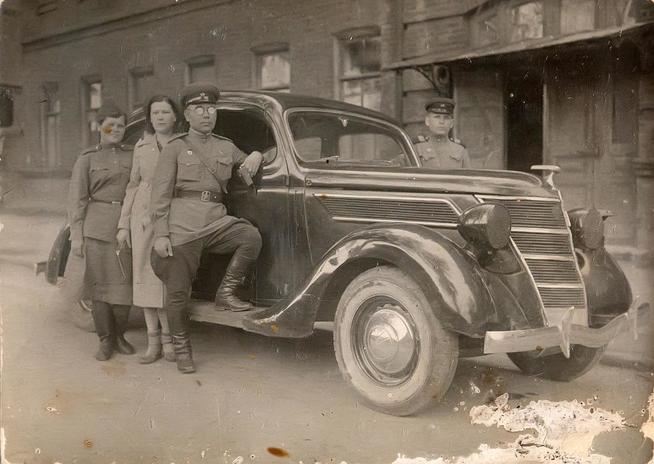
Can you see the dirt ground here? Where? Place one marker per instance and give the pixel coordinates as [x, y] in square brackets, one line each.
[250, 394]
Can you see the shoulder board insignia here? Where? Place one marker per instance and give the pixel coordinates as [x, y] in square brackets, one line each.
[126, 147]
[422, 138]
[221, 137]
[91, 149]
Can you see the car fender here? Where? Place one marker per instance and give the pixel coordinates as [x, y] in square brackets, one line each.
[55, 266]
[608, 293]
[449, 276]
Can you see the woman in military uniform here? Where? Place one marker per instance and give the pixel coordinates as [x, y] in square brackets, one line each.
[135, 225]
[97, 189]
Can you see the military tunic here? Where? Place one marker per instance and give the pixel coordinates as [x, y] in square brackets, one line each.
[193, 225]
[181, 168]
[96, 191]
[442, 154]
[136, 217]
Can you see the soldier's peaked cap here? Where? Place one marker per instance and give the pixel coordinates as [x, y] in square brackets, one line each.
[197, 93]
[440, 105]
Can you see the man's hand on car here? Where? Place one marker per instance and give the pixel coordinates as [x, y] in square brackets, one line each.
[163, 247]
[252, 163]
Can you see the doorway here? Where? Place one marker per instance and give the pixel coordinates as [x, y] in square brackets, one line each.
[524, 120]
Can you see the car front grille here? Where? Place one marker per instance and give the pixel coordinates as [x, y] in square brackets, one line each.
[379, 208]
[540, 234]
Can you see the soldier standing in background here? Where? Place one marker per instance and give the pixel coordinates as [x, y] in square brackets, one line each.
[437, 150]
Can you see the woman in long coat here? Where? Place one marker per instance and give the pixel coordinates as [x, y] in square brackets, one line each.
[135, 225]
[97, 188]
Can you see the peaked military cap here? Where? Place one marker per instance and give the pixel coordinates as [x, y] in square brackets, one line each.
[199, 92]
[109, 110]
[440, 105]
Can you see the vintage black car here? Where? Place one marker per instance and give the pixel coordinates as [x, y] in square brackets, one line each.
[415, 267]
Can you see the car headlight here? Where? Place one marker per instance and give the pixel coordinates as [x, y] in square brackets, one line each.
[587, 227]
[486, 226]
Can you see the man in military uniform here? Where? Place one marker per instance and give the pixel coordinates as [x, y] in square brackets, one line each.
[190, 218]
[438, 150]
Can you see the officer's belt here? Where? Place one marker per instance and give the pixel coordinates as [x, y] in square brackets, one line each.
[110, 202]
[205, 195]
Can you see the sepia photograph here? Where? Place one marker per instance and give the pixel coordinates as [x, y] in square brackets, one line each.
[326, 232]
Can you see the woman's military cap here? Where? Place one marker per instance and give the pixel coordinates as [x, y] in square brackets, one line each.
[109, 110]
[197, 93]
[440, 105]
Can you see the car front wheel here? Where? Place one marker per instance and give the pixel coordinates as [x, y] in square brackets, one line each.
[71, 286]
[390, 346]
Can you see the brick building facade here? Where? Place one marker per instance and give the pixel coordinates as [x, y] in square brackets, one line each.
[567, 82]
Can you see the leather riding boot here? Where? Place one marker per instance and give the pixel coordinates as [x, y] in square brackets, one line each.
[183, 353]
[121, 314]
[225, 296]
[181, 341]
[167, 346]
[153, 351]
[103, 318]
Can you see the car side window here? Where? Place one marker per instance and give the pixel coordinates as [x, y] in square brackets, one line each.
[338, 139]
[249, 129]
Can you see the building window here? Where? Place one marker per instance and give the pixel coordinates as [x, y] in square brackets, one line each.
[50, 110]
[274, 70]
[45, 6]
[91, 102]
[6, 107]
[577, 16]
[526, 21]
[200, 69]
[140, 86]
[360, 70]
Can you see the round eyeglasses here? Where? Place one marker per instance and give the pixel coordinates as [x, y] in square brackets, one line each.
[200, 110]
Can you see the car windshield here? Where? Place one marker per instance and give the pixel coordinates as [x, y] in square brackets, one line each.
[323, 138]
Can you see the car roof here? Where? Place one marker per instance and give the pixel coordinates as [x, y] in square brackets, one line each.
[288, 101]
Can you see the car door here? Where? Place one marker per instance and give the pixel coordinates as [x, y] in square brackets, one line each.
[266, 203]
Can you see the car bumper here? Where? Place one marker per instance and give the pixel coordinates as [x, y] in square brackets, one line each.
[509, 341]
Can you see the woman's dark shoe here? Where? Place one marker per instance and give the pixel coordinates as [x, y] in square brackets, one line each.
[103, 318]
[153, 351]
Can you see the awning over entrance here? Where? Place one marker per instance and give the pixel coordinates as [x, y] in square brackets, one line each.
[581, 38]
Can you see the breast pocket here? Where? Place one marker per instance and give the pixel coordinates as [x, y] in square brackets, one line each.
[189, 170]
[97, 172]
[224, 169]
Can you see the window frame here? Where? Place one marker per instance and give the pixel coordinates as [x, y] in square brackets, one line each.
[198, 61]
[261, 51]
[340, 39]
[132, 79]
[86, 108]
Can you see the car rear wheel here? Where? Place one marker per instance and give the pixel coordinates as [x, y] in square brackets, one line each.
[390, 346]
[556, 366]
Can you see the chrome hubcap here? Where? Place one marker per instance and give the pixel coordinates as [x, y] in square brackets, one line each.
[385, 342]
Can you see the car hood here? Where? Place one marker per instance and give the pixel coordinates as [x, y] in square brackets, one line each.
[414, 179]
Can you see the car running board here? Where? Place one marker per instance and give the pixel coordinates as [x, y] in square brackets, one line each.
[206, 311]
